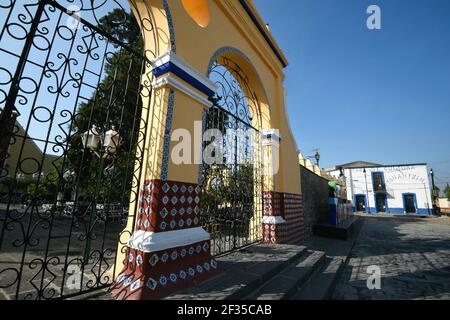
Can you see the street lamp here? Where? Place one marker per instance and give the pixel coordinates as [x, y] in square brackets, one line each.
[91, 139]
[341, 174]
[94, 141]
[367, 191]
[317, 157]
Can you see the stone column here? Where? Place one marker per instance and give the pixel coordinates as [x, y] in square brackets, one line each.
[274, 224]
[169, 250]
[283, 221]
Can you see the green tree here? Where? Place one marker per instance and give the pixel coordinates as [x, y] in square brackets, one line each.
[115, 103]
[447, 191]
[436, 192]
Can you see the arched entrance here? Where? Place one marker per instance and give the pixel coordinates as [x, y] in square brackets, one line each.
[232, 183]
[133, 69]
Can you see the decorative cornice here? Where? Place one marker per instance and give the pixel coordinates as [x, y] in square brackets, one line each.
[273, 220]
[172, 81]
[169, 62]
[158, 241]
[271, 134]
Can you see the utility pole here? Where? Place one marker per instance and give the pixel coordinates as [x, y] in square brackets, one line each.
[426, 195]
[432, 180]
[433, 195]
[367, 190]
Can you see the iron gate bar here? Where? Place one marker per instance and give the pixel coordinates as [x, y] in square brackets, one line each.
[240, 120]
[95, 28]
[14, 90]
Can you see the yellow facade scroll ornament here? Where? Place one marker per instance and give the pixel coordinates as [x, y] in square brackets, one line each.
[198, 10]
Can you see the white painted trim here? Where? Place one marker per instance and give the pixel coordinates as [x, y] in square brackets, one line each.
[170, 80]
[274, 133]
[170, 56]
[153, 242]
[273, 220]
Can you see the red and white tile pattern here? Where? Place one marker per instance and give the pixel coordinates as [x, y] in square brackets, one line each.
[155, 275]
[288, 225]
[171, 211]
[168, 206]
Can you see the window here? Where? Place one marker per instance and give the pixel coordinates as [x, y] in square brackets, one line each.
[378, 182]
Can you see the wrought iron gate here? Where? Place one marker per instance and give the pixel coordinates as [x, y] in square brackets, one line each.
[232, 206]
[71, 94]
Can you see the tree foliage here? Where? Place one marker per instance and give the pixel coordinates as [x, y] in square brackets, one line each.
[447, 191]
[116, 102]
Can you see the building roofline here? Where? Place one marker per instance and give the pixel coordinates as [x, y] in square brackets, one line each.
[28, 138]
[381, 166]
[257, 20]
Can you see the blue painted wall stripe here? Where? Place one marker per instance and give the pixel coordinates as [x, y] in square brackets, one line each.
[263, 32]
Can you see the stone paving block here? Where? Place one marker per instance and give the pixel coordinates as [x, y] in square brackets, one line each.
[414, 256]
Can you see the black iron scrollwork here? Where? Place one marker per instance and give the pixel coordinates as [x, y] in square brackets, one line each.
[67, 66]
[232, 186]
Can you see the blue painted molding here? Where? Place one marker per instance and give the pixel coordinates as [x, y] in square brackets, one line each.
[401, 211]
[173, 44]
[262, 31]
[167, 132]
[170, 67]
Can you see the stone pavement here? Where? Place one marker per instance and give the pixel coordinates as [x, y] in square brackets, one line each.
[413, 254]
[243, 272]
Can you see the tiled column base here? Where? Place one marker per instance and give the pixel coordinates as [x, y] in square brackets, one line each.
[274, 230]
[283, 221]
[169, 250]
[155, 275]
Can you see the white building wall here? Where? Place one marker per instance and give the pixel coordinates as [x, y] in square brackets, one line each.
[399, 180]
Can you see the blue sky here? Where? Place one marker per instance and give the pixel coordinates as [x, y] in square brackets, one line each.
[359, 94]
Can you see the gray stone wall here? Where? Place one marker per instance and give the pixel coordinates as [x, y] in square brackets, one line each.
[315, 199]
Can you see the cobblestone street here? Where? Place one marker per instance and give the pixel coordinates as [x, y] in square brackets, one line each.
[413, 254]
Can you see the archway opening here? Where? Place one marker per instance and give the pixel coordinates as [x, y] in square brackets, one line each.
[232, 181]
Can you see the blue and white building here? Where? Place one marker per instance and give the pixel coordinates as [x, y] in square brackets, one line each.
[395, 189]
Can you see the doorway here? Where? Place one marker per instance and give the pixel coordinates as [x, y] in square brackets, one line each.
[409, 201]
[360, 202]
[380, 202]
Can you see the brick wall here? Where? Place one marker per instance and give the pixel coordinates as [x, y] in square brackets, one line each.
[289, 227]
[315, 199]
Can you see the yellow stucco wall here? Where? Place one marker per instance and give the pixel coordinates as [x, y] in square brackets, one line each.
[230, 26]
